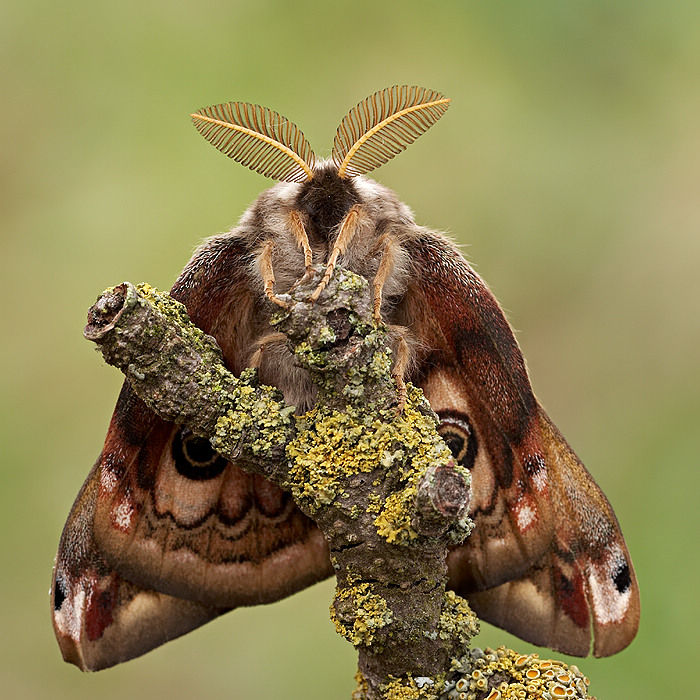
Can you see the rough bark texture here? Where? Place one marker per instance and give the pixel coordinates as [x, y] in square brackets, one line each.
[379, 481]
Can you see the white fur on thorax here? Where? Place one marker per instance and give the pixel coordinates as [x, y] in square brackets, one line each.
[380, 212]
[383, 221]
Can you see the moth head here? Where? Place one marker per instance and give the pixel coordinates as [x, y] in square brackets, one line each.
[373, 132]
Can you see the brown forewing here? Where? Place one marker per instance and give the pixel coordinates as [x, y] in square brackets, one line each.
[584, 585]
[225, 538]
[474, 369]
[512, 516]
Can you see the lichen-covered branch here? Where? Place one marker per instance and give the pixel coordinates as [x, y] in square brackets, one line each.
[377, 479]
[179, 372]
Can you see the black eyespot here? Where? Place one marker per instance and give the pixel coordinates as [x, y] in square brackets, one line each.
[622, 578]
[59, 594]
[457, 432]
[564, 585]
[195, 458]
[457, 444]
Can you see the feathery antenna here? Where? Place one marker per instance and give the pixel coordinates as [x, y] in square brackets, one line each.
[383, 125]
[259, 138]
[373, 132]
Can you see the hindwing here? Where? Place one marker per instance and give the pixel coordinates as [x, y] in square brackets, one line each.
[166, 534]
[546, 560]
[101, 619]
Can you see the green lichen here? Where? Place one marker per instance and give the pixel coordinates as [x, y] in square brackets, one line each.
[349, 281]
[326, 335]
[369, 614]
[312, 358]
[377, 368]
[168, 306]
[210, 374]
[175, 313]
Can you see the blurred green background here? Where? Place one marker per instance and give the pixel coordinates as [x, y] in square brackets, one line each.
[569, 163]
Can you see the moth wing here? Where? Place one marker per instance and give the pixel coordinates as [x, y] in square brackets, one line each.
[546, 560]
[99, 618]
[173, 516]
[168, 515]
[585, 584]
[474, 377]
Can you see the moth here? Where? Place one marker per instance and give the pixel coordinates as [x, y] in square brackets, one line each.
[166, 535]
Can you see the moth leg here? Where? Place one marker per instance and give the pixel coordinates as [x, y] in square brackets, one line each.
[302, 239]
[348, 227]
[386, 265]
[403, 351]
[269, 338]
[403, 357]
[268, 276]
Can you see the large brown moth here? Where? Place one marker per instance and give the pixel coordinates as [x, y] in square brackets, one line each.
[166, 535]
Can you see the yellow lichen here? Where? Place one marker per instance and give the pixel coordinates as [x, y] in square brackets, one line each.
[370, 613]
[374, 504]
[360, 692]
[410, 688]
[331, 446]
[394, 521]
[457, 621]
[528, 677]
